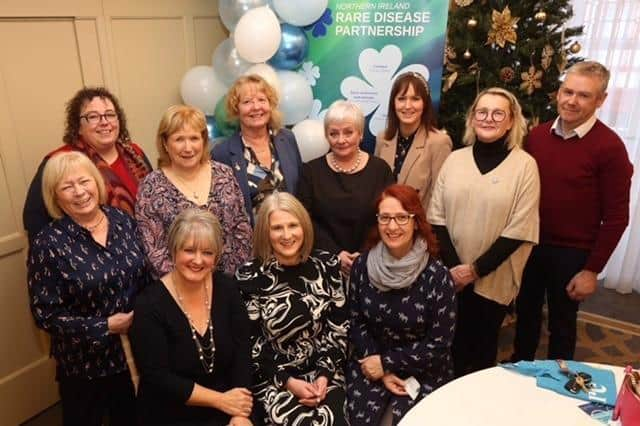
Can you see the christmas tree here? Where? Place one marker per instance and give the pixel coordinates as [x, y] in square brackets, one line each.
[520, 45]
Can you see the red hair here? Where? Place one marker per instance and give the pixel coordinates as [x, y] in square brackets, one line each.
[410, 201]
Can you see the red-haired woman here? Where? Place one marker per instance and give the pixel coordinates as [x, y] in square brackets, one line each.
[403, 313]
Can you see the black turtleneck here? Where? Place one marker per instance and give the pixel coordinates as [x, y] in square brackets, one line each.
[487, 157]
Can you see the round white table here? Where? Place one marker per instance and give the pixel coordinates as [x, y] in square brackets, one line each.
[496, 397]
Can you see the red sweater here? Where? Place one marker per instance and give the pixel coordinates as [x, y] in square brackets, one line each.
[584, 200]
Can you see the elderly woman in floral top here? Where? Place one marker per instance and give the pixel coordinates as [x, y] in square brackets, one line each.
[187, 178]
[84, 269]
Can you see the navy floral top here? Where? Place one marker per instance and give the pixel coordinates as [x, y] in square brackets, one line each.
[75, 284]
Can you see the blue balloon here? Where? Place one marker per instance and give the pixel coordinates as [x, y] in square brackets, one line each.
[293, 49]
[212, 128]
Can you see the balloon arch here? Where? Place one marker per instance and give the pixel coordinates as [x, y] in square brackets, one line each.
[267, 38]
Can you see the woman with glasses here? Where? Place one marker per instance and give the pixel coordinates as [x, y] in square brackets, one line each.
[411, 144]
[484, 211]
[338, 188]
[190, 335]
[97, 127]
[296, 302]
[188, 178]
[264, 156]
[402, 311]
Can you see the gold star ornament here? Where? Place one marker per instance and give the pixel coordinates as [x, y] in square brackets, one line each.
[531, 80]
[502, 28]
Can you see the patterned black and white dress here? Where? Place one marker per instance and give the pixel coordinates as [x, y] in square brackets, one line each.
[299, 320]
[411, 329]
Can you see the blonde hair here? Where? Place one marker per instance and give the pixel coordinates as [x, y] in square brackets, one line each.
[259, 84]
[57, 168]
[174, 119]
[515, 135]
[201, 225]
[342, 111]
[286, 202]
[592, 69]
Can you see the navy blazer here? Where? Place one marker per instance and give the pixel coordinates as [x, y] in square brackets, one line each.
[231, 153]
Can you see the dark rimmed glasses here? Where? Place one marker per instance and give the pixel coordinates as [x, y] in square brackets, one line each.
[400, 219]
[95, 118]
[496, 115]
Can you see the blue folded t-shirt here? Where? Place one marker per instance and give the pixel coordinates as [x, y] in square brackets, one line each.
[548, 376]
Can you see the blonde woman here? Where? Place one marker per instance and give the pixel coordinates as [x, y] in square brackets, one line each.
[296, 301]
[484, 211]
[187, 178]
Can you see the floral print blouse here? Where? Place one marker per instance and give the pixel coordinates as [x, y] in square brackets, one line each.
[75, 284]
[159, 202]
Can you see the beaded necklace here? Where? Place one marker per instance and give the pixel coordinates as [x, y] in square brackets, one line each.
[350, 170]
[206, 351]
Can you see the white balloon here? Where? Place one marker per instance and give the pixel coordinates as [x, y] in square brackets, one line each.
[296, 96]
[201, 88]
[257, 35]
[267, 72]
[311, 141]
[232, 10]
[300, 13]
[227, 63]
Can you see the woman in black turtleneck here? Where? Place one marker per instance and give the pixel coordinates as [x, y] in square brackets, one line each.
[484, 211]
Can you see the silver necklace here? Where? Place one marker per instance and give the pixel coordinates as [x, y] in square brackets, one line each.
[348, 171]
[206, 351]
[188, 187]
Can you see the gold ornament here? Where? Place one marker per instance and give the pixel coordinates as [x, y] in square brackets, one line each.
[449, 54]
[463, 3]
[541, 16]
[502, 28]
[448, 82]
[507, 74]
[466, 54]
[575, 47]
[547, 55]
[531, 80]
[472, 23]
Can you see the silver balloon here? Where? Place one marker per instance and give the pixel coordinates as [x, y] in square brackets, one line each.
[227, 63]
[232, 10]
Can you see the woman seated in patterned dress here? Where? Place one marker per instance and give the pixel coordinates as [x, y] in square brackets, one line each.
[190, 335]
[187, 178]
[403, 313]
[296, 302]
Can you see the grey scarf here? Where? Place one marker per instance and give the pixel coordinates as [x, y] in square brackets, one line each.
[388, 273]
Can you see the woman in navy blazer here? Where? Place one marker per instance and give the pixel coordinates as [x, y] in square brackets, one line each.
[264, 156]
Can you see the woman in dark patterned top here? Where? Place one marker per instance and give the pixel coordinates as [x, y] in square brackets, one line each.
[190, 335]
[403, 314]
[84, 270]
[295, 299]
[187, 178]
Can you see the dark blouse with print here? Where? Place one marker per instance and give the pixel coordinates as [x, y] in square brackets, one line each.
[75, 284]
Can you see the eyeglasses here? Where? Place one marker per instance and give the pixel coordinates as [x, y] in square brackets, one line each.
[400, 219]
[95, 118]
[497, 115]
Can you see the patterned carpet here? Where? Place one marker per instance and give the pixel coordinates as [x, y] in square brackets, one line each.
[599, 340]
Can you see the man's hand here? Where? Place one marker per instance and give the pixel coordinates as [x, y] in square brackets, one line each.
[582, 285]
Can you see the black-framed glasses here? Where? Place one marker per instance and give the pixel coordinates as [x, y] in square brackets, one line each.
[496, 115]
[400, 219]
[95, 118]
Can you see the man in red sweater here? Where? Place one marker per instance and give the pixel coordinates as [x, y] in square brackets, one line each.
[585, 176]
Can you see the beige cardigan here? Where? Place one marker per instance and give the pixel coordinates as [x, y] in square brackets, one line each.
[423, 161]
[477, 209]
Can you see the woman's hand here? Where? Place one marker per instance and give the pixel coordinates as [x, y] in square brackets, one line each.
[346, 261]
[236, 402]
[394, 384]
[371, 367]
[240, 421]
[463, 275]
[306, 392]
[119, 323]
